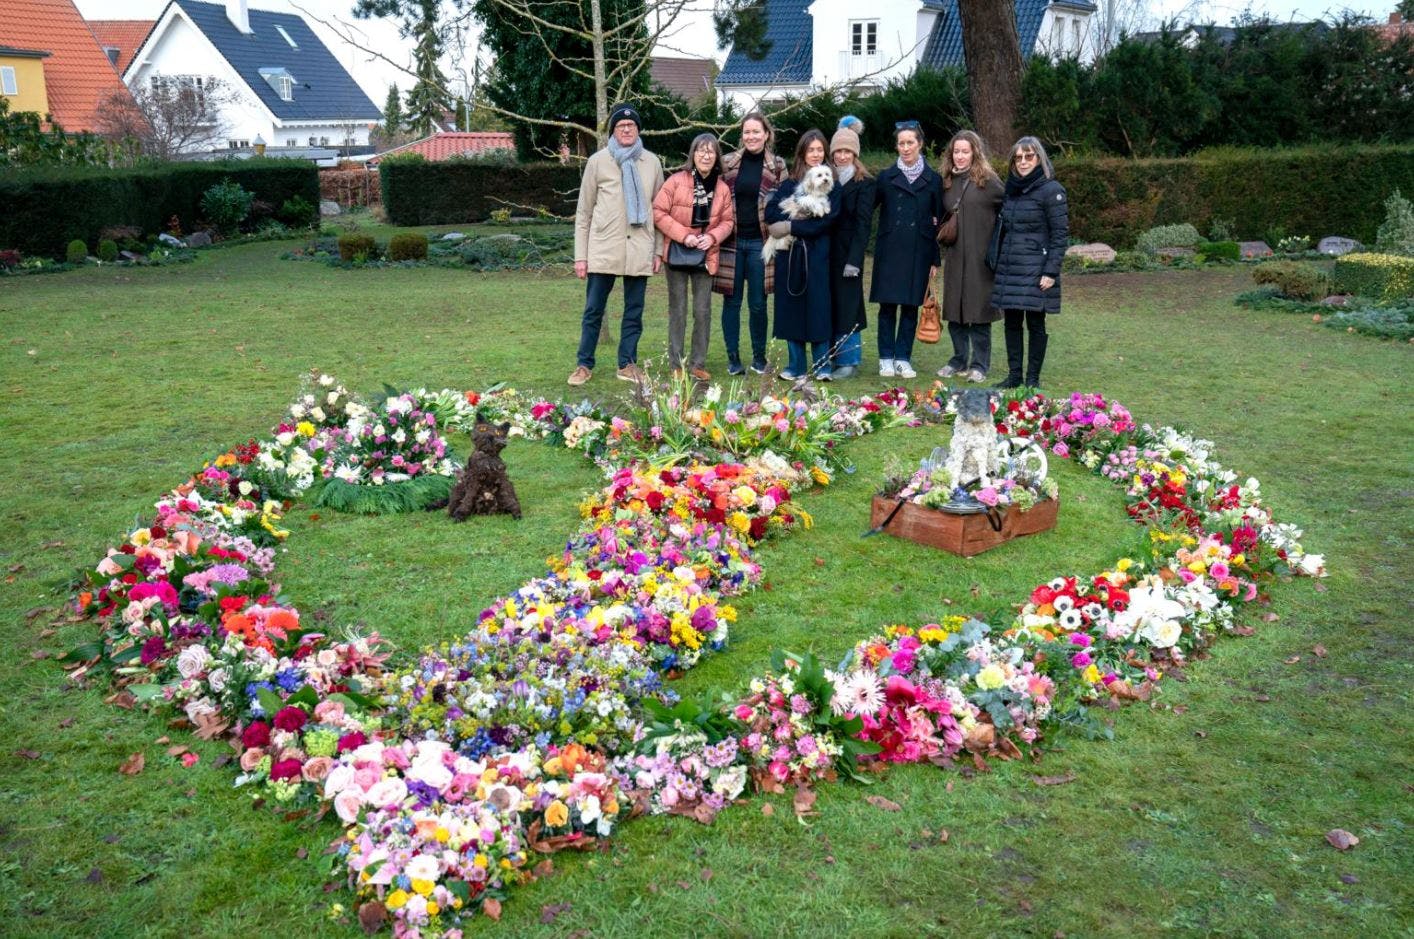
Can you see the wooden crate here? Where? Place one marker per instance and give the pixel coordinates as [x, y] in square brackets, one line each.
[966, 535]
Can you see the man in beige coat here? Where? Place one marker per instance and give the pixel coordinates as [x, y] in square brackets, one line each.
[614, 236]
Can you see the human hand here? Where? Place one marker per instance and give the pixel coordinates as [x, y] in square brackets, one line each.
[581, 269]
[657, 263]
[851, 271]
[778, 229]
[933, 272]
[1047, 282]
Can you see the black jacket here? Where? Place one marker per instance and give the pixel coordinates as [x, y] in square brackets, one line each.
[1033, 228]
[907, 245]
[848, 240]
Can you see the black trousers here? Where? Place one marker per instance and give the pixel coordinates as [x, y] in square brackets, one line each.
[1034, 322]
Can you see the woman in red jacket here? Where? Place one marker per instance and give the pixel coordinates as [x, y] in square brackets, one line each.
[694, 212]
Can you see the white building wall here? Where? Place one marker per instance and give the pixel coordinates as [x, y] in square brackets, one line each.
[1065, 33]
[900, 31]
[750, 97]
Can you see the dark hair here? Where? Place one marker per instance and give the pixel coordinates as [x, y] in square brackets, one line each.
[761, 119]
[913, 126]
[704, 140]
[797, 167]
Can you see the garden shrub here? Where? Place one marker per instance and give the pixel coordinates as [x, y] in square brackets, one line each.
[226, 205]
[1385, 277]
[77, 252]
[1295, 280]
[1182, 235]
[1396, 234]
[356, 247]
[407, 246]
[497, 156]
[46, 207]
[1292, 244]
[1220, 250]
[421, 193]
[108, 250]
[1384, 322]
[298, 212]
[1220, 229]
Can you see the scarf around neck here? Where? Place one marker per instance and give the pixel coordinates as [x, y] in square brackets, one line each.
[1016, 185]
[913, 172]
[703, 192]
[626, 157]
[845, 173]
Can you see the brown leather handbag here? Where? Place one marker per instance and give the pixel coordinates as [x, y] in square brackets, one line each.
[930, 318]
[947, 232]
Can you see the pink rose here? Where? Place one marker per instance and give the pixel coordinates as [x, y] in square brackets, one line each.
[317, 768]
[251, 758]
[329, 712]
[347, 804]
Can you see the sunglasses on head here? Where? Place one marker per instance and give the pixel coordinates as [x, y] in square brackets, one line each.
[907, 125]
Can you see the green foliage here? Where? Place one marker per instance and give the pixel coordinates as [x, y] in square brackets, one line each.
[46, 207]
[404, 246]
[1259, 78]
[1056, 103]
[1382, 322]
[226, 205]
[1147, 101]
[1295, 280]
[403, 156]
[357, 247]
[298, 212]
[108, 250]
[393, 110]
[77, 252]
[1361, 85]
[936, 99]
[1386, 277]
[25, 141]
[422, 193]
[1220, 251]
[1220, 229]
[495, 157]
[1182, 235]
[741, 26]
[1396, 234]
[410, 495]
[417, 20]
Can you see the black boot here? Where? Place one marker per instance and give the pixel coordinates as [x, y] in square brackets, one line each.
[1037, 353]
[1014, 351]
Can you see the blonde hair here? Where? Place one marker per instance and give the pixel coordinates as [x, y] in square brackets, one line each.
[981, 168]
[1036, 147]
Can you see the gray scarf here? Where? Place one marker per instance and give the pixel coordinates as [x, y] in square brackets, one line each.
[912, 172]
[634, 202]
[845, 173]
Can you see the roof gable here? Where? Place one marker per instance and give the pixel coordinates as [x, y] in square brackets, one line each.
[686, 78]
[124, 35]
[77, 75]
[322, 89]
[944, 46]
[790, 31]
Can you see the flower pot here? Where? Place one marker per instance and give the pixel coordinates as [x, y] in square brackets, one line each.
[966, 535]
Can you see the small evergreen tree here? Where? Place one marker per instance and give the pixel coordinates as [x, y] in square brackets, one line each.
[1396, 234]
[393, 111]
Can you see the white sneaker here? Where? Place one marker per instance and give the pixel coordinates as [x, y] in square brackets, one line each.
[886, 368]
[903, 370]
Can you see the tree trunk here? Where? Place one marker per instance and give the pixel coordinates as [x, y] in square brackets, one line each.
[993, 52]
[601, 81]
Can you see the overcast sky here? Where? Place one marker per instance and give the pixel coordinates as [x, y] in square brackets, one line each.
[376, 72]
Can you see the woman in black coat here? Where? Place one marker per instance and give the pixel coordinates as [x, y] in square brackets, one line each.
[1028, 245]
[847, 243]
[803, 313]
[910, 199]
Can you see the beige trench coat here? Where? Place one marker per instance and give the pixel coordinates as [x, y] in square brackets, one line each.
[602, 235]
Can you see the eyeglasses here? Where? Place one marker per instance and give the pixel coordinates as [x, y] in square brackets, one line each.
[1025, 157]
[908, 125]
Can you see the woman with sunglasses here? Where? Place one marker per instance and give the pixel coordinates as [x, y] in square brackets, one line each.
[909, 196]
[1028, 245]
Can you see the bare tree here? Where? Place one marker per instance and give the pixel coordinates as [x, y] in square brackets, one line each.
[171, 115]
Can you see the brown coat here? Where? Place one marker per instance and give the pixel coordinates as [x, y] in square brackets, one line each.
[967, 281]
[773, 171]
[672, 213]
[602, 235]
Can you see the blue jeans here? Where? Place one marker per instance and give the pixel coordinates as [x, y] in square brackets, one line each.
[849, 350]
[795, 357]
[596, 297]
[751, 269]
[897, 324]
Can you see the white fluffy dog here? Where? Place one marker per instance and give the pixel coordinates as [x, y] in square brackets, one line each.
[973, 453]
[811, 199]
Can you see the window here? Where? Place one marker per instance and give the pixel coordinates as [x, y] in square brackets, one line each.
[1075, 34]
[1057, 35]
[864, 37]
[281, 80]
[281, 31]
[291, 142]
[314, 141]
[8, 85]
[287, 88]
[323, 141]
[238, 144]
[112, 54]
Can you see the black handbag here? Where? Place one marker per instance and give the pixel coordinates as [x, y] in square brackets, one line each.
[994, 249]
[683, 258]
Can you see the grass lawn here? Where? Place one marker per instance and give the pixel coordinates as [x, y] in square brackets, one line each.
[1206, 814]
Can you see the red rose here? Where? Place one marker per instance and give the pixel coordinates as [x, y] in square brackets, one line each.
[157, 531]
[352, 741]
[290, 718]
[655, 500]
[256, 735]
[286, 769]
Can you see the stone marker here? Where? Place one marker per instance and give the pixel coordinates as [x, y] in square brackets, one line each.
[171, 241]
[1335, 245]
[1255, 249]
[1095, 252]
[330, 207]
[453, 236]
[198, 239]
[130, 256]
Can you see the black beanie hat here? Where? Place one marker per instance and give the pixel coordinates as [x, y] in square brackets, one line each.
[624, 112]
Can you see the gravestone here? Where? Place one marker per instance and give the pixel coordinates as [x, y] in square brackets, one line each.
[329, 207]
[198, 239]
[1095, 253]
[171, 241]
[1335, 245]
[453, 236]
[130, 256]
[1255, 249]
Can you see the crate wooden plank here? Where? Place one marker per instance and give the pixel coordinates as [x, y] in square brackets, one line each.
[965, 535]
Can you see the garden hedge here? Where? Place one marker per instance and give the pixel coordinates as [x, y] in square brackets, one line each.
[44, 209]
[1315, 192]
[1386, 277]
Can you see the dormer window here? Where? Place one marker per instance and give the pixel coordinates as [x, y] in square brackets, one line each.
[281, 31]
[281, 80]
[112, 54]
[864, 37]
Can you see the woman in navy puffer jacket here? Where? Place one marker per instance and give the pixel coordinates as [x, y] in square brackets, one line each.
[1028, 245]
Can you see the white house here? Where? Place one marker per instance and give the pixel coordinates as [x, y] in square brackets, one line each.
[289, 90]
[820, 43]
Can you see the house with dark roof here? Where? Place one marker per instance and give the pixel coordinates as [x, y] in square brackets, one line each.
[827, 43]
[287, 89]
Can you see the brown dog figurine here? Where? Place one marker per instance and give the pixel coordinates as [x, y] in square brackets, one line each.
[484, 488]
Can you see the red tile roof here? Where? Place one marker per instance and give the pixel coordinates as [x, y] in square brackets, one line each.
[123, 35]
[687, 78]
[77, 76]
[444, 145]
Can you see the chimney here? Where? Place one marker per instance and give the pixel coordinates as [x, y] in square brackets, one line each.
[239, 16]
